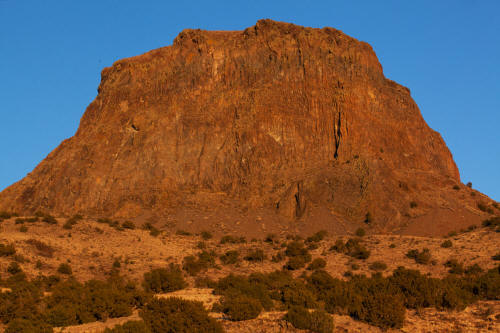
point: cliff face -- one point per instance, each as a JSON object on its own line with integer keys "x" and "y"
{"x": 279, "y": 117}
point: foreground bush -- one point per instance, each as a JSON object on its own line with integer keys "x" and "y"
{"x": 175, "y": 315}
{"x": 241, "y": 307}
{"x": 133, "y": 326}
{"x": 316, "y": 321}
{"x": 28, "y": 326}
{"x": 164, "y": 280}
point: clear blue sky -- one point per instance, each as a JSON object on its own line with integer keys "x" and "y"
{"x": 52, "y": 53}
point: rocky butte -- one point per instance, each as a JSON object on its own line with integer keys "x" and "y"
{"x": 277, "y": 126}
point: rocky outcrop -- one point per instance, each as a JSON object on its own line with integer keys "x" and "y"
{"x": 297, "y": 121}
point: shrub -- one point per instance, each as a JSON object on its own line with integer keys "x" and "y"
{"x": 128, "y": 225}
{"x": 360, "y": 232}
{"x": 473, "y": 270}
{"x": 447, "y": 244}
{"x": 20, "y": 325}
{"x": 496, "y": 257}
{"x": 241, "y": 307}
{"x": 317, "y": 263}
{"x": 421, "y": 257}
{"x": 392, "y": 246}
{"x": 14, "y": 268}
{"x": 230, "y": 257}
{"x": 455, "y": 266}
{"x": 183, "y": 233}
{"x": 271, "y": 238}
{"x": 132, "y": 326}
{"x": 64, "y": 269}
{"x": 178, "y": 315}
{"x": 380, "y": 309}
{"x": 456, "y": 187}
{"x": 317, "y": 237}
{"x": 413, "y": 204}
{"x": 206, "y": 235}
{"x": 255, "y": 255}
{"x": 49, "y": 219}
{"x": 469, "y": 184}
{"x": 7, "y": 250}
{"x": 278, "y": 257}
{"x": 339, "y": 246}
{"x": 5, "y": 215}
{"x": 378, "y": 266}
{"x": 484, "y": 207}
{"x": 356, "y": 250}
{"x": 228, "y": 239}
{"x": 163, "y": 280}
{"x": 492, "y": 222}
{"x": 42, "y": 248}
{"x": 298, "y": 255}
{"x": 368, "y": 218}
{"x": 316, "y": 321}
{"x": 72, "y": 221}
{"x": 193, "y": 265}
{"x": 23, "y": 229}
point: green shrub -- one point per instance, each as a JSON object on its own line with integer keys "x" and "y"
{"x": 241, "y": 307}
{"x": 72, "y": 221}
{"x": 23, "y": 229}
{"x": 368, "y": 218}
{"x": 164, "y": 280}
{"x": 317, "y": 263}
{"x": 178, "y": 315}
{"x": 132, "y": 326}
{"x": 492, "y": 222}
{"x": 496, "y": 257}
{"x": 360, "y": 232}
{"x": 230, "y": 257}
{"x": 446, "y": 244}
{"x": 338, "y": 247}
{"x": 278, "y": 257}
{"x": 255, "y": 255}
{"x": 271, "y": 238}
{"x": 413, "y": 204}
{"x": 64, "y": 269}
{"x": 380, "y": 309}
{"x": 316, "y": 321}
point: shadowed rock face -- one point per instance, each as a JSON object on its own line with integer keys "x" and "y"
{"x": 279, "y": 117}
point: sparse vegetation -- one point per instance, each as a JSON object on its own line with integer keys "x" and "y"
{"x": 255, "y": 255}
{"x": 193, "y": 265}
{"x": 230, "y": 257}
{"x": 378, "y": 266}
{"x": 318, "y": 263}
{"x": 317, "y": 237}
{"x": 206, "y": 235}
{"x": 228, "y": 239}
{"x": 7, "y": 250}
{"x": 64, "y": 269}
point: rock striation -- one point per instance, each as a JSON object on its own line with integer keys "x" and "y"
{"x": 297, "y": 122}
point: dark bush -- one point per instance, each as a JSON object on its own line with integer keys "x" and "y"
{"x": 360, "y": 232}
{"x": 193, "y": 265}
{"x": 317, "y": 263}
{"x": 178, "y": 315}
{"x": 42, "y": 248}
{"x": 378, "y": 266}
{"x": 255, "y": 255}
{"x": 421, "y": 257}
{"x": 368, "y": 218}
{"x": 455, "y": 266}
{"x": 230, "y": 257}
{"x": 317, "y": 237}
{"x": 316, "y": 321}
{"x": 49, "y": 219}
{"x": 164, "y": 280}
{"x": 447, "y": 244}
{"x": 278, "y": 257}
{"x": 206, "y": 235}
{"x": 496, "y": 257}
{"x": 271, "y": 238}
{"x": 7, "y": 250}
{"x": 181, "y": 232}
{"x": 72, "y": 221}
{"x": 128, "y": 225}
{"x": 133, "y": 326}
{"x": 413, "y": 204}
{"x": 20, "y": 325}
{"x": 64, "y": 269}
{"x": 241, "y": 307}
{"x": 492, "y": 222}
{"x": 339, "y": 246}
{"x": 228, "y": 239}
{"x": 14, "y": 268}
